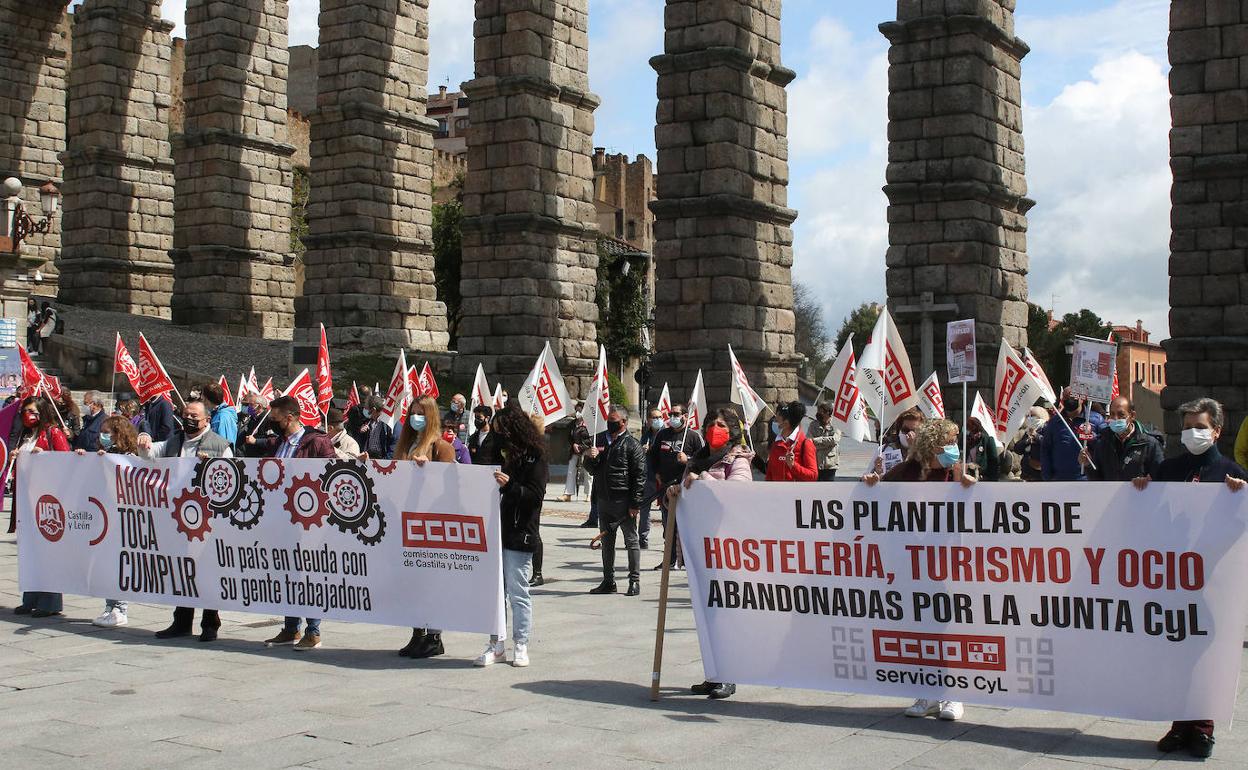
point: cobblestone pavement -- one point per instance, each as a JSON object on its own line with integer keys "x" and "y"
{"x": 72, "y": 694}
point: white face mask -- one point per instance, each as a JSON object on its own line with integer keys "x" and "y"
{"x": 904, "y": 438}
{"x": 1197, "y": 440}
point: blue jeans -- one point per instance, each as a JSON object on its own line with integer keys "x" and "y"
{"x": 314, "y": 625}
{"x": 516, "y": 569}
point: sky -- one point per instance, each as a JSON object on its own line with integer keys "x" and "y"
{"x": 1095, "y": 122}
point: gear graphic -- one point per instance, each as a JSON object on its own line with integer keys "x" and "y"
{"x": 192, "y": 514}
{"x": 373, "y": 539}
{"x": 223, "y": 480}
{"x": 306, "y": 502}
{"x": 352, "y": 500}
{"x": 385, "y": 468}
{"x": 271, "y": 468}
{"x": 250, "y": 507}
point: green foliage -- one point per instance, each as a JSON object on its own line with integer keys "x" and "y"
{"x": 1049, "y": 346}
{"x": 619, "y": 394}
{"x": 448, "y": 236}
{"x": 860, "y": 323}
{"x": 367, "y": 368}
{"x": 299, "y": 212}
{"x": 621, "y": 306}
{"x": 810, "y": 332}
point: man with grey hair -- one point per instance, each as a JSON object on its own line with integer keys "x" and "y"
{"x": 88, "y": 439}
{"x": 619, "y": 469}
{"x": 1200, "y": 461}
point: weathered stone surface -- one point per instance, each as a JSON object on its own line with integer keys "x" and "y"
{"x": 232, "y": 268}
{"x": 956, "y": 175}
{"x": 1208, "y": 245}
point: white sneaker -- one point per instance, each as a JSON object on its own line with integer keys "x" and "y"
{"x": 521, "y": 658}
{"x": 494, "y": 653}
{"x": 111, "y": 619}
{"x": 922, "y": 708}
{"x": 950, "y": 710}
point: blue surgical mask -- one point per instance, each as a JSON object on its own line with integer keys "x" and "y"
{"x": 417, "y": 421}
{"x": 775, "y": 427}
{"x": 949, "y": 456}
{"x": 1119, "y": 426}
{"x": 656, "y": 423}
{"x": 106, "y": 441}
{"x": 367, "y": 413}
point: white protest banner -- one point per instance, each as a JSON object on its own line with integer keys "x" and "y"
{"x": 1037, "y": 371}
{"x": 931, "y": 402}
{"x": 1092, "y": 368}
{"x": 987, "y": 418}
{"x": 696, "y": 411}
{"x": 376, "y": 542}
{"x": 960, "y": 358}
{"x": 849, "y": 408}
{"x": 1084, "y": 597}
{"x": 742, "y": 394}
{"x": 1016, "y": 392}
{"x": 598, "y": 402}
{"x": 885, "y": 353}
{"x": 544, "y": 392}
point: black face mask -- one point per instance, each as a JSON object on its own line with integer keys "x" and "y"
{"x": 479, "y": 422}
{"x": 191, "y": 426}
{"x": 613, "y": 427}
{"x": 1070, "y": 405}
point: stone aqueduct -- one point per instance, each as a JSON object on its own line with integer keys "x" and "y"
{"x": 195, "y": 226}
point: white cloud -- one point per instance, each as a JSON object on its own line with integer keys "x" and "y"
{"x": 624, "y": 35}
{"x": 1098, "y": 167}
{"x": 1122, "y": 27}
{"x": 841, "y": 95}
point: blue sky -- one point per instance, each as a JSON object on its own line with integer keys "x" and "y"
{"x": 1096, "y": 121}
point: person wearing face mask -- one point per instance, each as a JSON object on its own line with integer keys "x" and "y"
{"x": 934, "y": 456}
{"x": 668, "y": 455}
{"x": 158, "y": 414}
{"x": 379, "y": 438}
{"x": 456, "y": 419}
{"x": 654, "y": 426}
{"x": 358, "y": 416}
{"x": 195, "y": 439}
{"x": 40, "y": 432}
{"x": 619, "y": 470}
{"x": 482, "y": 444}
{"x": 981, "y": 452}
{"x": 895, "y": 444}
{"x": 344, "y": 446}
{"x": 1059, "y": 449}
{"x": 420, "y": 441}
{"x": 792, "y": 454}
{"x": 89, "y": 436}
{"x": 118, "y": 437}
{"x": 1200, "y": 461}
{"x": 827, "y": 438}
{"x": 1026, "y": 443}
{"x": 1123, "y": 450}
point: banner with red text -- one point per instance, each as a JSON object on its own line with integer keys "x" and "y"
{"x": 1087, "y": 597}
{"x": 375, "y": 542}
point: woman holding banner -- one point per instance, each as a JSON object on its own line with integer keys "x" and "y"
{"x": 934, "y": 456}
{"x": 40, "y": 433}
{"x": 522, "y": 484}
{"x": 421, "y": 441}
{"x": 117, "y": 437}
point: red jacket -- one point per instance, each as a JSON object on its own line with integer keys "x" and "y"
{"x": 804, "y": 468}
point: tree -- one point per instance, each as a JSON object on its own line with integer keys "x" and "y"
{"x": 448, "y": 232}
{"x": 621, "y": 300}
{"x": 1049, "y": 345}
{"x": 809, "y": 331}
{"x": 860, "y": 323}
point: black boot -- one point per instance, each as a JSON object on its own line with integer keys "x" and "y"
{"x": 1175, "y": 739}
{"x": 208, "y": 633}
{"x": 723, "y": 690}
{"x": 430, "y": 646}
{"x": 1200, "y": 745}
{"x": 537, "y": 580}
{"x": 173, "y": 632}
{"x": 634, "y": 588}
{"x": 418, "y": 638}
{"x": 605, "y": 587}
{"x": 706, "y": 688}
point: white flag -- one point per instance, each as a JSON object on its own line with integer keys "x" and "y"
{"x": 885, "y": 353}
{"x": 1033, "y": 366}
{"x": 695, "y": 413}
{"x": 931, "y": 402}
{"x": 397, "y": 394}
{"x": 849, "y": 408}
{"x": 743, "y": 395}
{"x": 981, "y": 412}
{"x": 480, "y": 395}
{"x": 1016, "y": 391}
{"x": 544, "y": 393}
{"x": 665, "y": 402}
{"x": 500, "y": 399}
{"x": 872, "y": 392}
{"x": 598, "y": 402}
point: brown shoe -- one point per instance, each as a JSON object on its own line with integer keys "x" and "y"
{"x": 308, "y": 642}
{"x": 283, "y": 637}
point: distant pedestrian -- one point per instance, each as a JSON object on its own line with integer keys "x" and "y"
{"x": 619, "y": 480}
{"x": 827, "y": 440}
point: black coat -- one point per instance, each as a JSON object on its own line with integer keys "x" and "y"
{"x": 1211, "y": 467}
{"x": 1117, "y": 460}
{"x": 521, "y": 503}
{"x": 482, "y": 448}
{"x": 619, "y": 470}
{"x": 88, "y": 438}
{"x": 158, "y": 413}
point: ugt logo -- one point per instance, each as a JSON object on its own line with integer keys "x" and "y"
{"x": 50, "y": 518}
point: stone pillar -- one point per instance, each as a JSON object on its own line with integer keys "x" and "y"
{"x": 723, "y": 243}
{"x": 34, "y": 47}
{"x": 1207, "y": 353}
{"x": 232, "y": 191}
{"x": 529, "y": 252}
{"x": 956, "y": 188}
{"x": 368, "y": 270}
{"x": 118, "y": 222}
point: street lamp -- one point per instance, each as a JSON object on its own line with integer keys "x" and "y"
{"x": 19, "y": 224}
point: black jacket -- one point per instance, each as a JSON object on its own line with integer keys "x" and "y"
{"x": 665, "y": 448}
{"x": 521, "y": 503}
{"x": 159, "y": 415}
{"x": 482, "y": 448}
{"x": 1211, "y": 466}
{"x": 619, "y": 470}
{"x": 1116, "y": 460}
{"x": 89, "y": 437}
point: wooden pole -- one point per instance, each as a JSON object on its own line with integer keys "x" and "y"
{"x": 661, "y": 626}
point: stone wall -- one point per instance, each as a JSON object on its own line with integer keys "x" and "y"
{"x": 955, "y": 182}
{"x": 118, "y": 222}
{"x": 232, "y": 272}
{"x": 529, "y": 257}
{"x": 1207, "y": 353}
{"x": 723, "y": 243}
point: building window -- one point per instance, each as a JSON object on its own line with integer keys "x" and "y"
{"x": 1139, "y": 372}
{"x": 461, "y": 124}
{"x": 632, "y": 230}
{"x": 619, "y": 224}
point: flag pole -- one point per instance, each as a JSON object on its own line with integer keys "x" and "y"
{"x": 664, "y": 583}
{"x": 43, "y": 386}
{"x": 964, "y": 421}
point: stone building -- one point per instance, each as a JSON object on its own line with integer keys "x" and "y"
{"x": 450, "y": 110}
{"x": 623, "y": 192}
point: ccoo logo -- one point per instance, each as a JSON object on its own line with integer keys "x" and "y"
{"x": 448, "y": 531}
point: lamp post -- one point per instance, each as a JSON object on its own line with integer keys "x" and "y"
{"x": 19, "y": 224}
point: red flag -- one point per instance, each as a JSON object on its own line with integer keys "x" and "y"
{"x": 324, "y": 379}
{"x": 428, "y": 385}
{"x": 52, "y": 385}
{"x": 302, "y": 391}
{"x": 267, "y": 391}
{"x": 225, "y": 388}
{"x": 414, "y": 385}
{"x": 31, "y": 376}
{"x": 1114, "y": 393}
{"x": 353, "y": 397}
{"x": 123, "y": 363}
{"x": 153, "y": 379}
